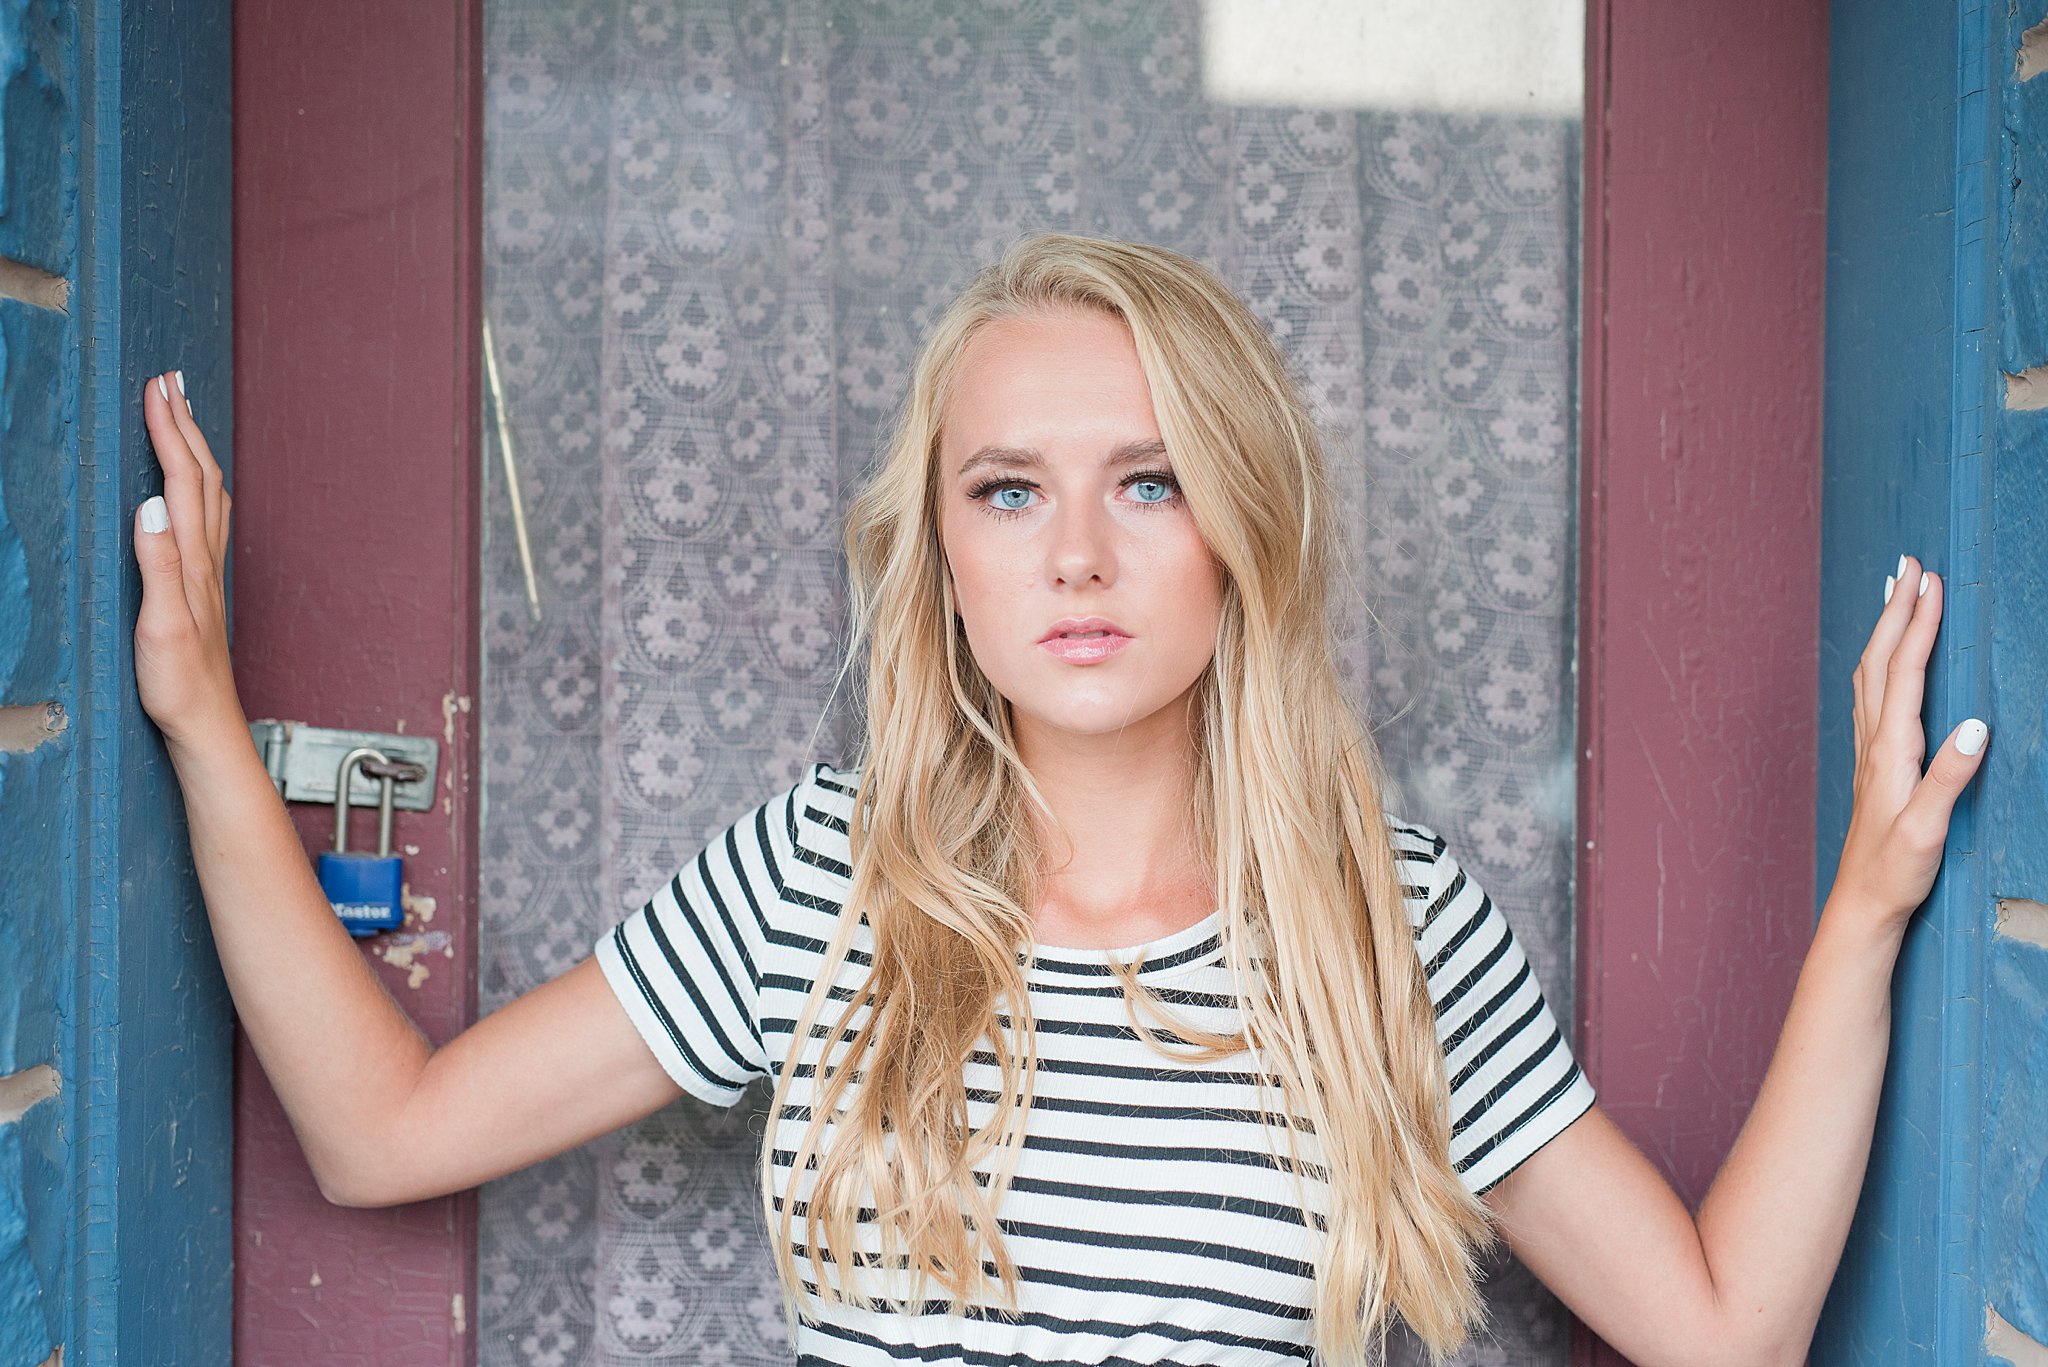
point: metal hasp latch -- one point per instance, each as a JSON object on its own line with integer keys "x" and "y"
{"x": 303, "y": 761}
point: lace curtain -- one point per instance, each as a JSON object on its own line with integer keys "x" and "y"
{"x": 714, "y": 233}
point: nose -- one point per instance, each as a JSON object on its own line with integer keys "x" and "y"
{"x": 1082, "y": 546}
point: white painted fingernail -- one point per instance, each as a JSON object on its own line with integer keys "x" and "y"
{"x": 1970, "y": 736}
{"x": 163, "y": 389}
{"x": 1923, "y": 583}
{"x": 1902, "y": 568}
{"x": 1888, "y": 582}
{"x": 155, "y": 517}
{"x": 181, "y": 382}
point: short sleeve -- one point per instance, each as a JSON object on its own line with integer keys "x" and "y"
{"x": 686, "y": 965}
{"x": 1515, "y": 1085}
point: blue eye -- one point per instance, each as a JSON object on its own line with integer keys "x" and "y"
{"x": 1003, "y": 500}
{"x": 1153, "y": 482}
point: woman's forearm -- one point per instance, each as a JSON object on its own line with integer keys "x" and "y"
{"x": 341, "y": 1054}
{"x": 1775, "y": 1220}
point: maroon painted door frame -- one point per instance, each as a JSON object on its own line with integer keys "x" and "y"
{"x": 358, "y": 249}
{"x": 1699, "y": 631}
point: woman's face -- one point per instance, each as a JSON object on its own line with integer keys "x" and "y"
{"x": 1058, "y": 505}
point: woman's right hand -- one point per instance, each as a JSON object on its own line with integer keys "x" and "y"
{"x": 182, "y": 668}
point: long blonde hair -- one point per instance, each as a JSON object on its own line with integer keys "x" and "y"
{"x": 1287, "y": 811}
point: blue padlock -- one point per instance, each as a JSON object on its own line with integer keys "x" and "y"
{"x": 363, "y": 888}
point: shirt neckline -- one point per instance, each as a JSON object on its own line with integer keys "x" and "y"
{"x": 1189, "y": 947}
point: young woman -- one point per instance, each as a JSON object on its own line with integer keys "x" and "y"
{"x": 1111, "y": 1016}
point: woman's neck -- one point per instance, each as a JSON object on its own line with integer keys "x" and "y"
{"x": 1121, "y": 867}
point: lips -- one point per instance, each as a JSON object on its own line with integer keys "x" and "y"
{"x": 1083, "y": 628}
{"x": 1084, "y": 640}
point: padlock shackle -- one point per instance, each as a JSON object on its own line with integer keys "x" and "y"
{"x": 384, "y": 800}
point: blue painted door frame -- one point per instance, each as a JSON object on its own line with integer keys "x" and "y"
{"x": 114, "y": 1193}
{"x": 1937, "y": 202}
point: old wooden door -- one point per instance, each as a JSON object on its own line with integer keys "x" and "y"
{"x": 1937, "y": 332}
{"x": 115, "y": 1109}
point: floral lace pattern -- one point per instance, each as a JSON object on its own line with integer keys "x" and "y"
{"x": 714, "y": 234}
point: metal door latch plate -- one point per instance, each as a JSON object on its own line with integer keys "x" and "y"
{"x": 303, "y": 760}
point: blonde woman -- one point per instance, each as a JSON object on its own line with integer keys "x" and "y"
{"x": 1111, "y": 1017}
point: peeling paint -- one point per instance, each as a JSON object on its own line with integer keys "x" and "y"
{"x": 2028, "y": 390}
{"x": 29, "y": 285}
{"x": 418, "y": 905}
{"x": 2003, "y": 1341}
{"x": 405, "y": 950}
{"x": 2032, "y": 59}
{"x": 21, "y": 1090}
{"x": 18, "y": 280}
{"x": 2020, "y": 919}
{"x": 314, "y": 1280}
{"x": 26, "y": 726}
{"x": 451, "y": 703}
{"x": 460, "y": 1317}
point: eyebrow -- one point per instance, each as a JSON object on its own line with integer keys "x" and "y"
{"x": 1025, "y": 457}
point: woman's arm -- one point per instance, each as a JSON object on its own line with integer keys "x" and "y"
{"x": 383, "y": 1116}
{"x": 1743, "y": 1282}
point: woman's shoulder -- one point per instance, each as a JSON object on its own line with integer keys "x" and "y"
{"x": 1514, "y": 1082}
{"x": 818, "y": 812}
{"x": 1458, "y": 927}
{"x": 791, "y": 846}
{"x": 1416, "y": 846}
{"x": 828, "y": 780}
{"x": 1447, "y": 906}
{"x": 1422, "y": 860}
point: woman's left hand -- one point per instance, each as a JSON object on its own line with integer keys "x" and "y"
{"x": 1898, "y": 825}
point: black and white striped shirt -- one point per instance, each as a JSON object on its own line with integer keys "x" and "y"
{"x": 1153, "y": 1215}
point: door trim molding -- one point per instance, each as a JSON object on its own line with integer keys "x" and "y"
{"x": 1699, "y": 513}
